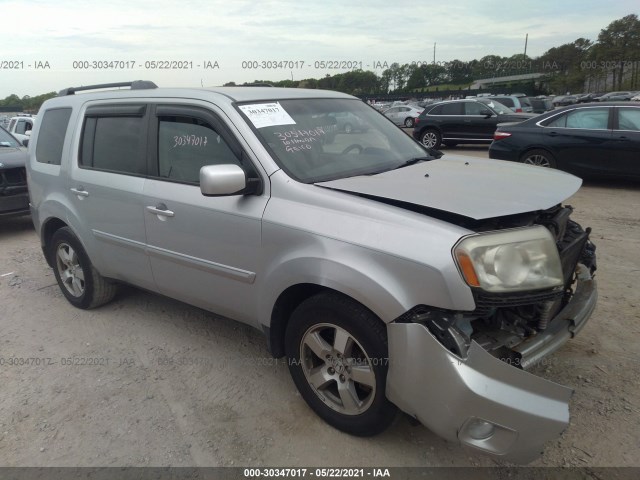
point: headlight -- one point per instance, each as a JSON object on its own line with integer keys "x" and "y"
{"x": 510, "y": 261}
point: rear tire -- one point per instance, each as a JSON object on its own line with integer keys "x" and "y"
{"x": 337, "y": 355}
{"x": 409, "y": 122}
{"x": 431, "y": 138}
{"x": 539, "y": 158}
{"x": 79, "y": 281}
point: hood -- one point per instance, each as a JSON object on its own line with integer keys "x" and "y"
{"x": 11, "y": 157}
{"x": 473, "y": 187}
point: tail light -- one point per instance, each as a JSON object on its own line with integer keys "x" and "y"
{"x": 416, "y": 120}
{"x": 518, "y": 110}
{"x": 501, "y": 135}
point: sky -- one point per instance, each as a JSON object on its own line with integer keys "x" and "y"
{"x": 50, "y": 45}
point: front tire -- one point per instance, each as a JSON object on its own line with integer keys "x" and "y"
{"x": 337, "y": 355}
{"x": 79, "y": 281}
{"x": 539, "y": 158}
{"x": 431, "y": 138}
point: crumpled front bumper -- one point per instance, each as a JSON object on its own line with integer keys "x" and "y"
{"x": 448, "y": 394}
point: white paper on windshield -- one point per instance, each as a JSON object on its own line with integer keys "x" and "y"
{"x": 267, "y": 114}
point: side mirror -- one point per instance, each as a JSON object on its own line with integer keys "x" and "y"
{"x": 486, "y": 113}
{"x": 220, "y": 180}
{"x": 25, "y": 142}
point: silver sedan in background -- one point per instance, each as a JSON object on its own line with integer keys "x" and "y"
{"x": 403, "y": 115}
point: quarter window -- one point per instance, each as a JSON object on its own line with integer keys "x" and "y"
{"x": 186, "y": 144}
{"x": 51, "y": 136}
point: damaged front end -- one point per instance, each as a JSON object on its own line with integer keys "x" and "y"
{"x": 475, "y": 390}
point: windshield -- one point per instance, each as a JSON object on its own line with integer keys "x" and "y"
{"x": 316, "y": 140}
{"x": 496, "y": 106}
{"x": 6, "y": 140}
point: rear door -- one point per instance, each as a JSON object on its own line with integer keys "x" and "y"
{"x": 394, "y": 115}
{"x": 203, "y": 250}
{"x": 451, "y": 121}
{"x": 626, "y": 141}
{"x": 581, "y": 140}
{"x": 105, "y": 188}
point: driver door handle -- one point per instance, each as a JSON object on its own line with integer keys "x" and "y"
{"x": 160, "y": 210}
{"x": 80, "y": 191}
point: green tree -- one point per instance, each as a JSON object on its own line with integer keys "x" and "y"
{"x": 565, "y": 65}
{"x": 619, "y": 49}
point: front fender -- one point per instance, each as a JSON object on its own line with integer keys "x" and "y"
{"x": 387, "y": 285}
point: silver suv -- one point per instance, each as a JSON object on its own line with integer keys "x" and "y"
{"x": 390, "y": 279}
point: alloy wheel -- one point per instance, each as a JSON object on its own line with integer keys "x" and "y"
{"x": 338, "y": 369}
{"x": 70, "y": 270}
{"x": 538, "y": 160}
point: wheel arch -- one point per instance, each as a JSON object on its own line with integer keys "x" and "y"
{"x": 49, "y": 227}
{"x": 278, "y": 305}
{"x": 284, "y": 306}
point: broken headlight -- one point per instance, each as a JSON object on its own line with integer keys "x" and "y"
{"x": 510, "y": 260}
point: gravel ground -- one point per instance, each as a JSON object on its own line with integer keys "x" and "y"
{"x": 224, "y": 402}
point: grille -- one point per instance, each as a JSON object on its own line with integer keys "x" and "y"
{"x": 486, "y": 302}
{"x": 13, "y": 176}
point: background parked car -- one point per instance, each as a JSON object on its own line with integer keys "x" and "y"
{"x": 587, "y": 140}
{"x": 403, "y": 115}
{"x": 463, "y": 121}
{"x": 20, "y": 126}
{"x": 347, "y": 122}
{"x": 541, "y": 105}
{"x": 636, "y": 98}
{"x": 616, "y": 96}
{"x": 587, "y": 97}
{"x": 515, "y": 103}
{"x": 14, "y": 199}
{"x": 564, "y": 100}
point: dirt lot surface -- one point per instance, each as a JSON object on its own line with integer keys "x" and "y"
{"x": 146, "y": 380}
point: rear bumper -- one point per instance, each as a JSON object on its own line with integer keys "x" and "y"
{"x": 447, "y": 393}
{"x": 501, "y": 151}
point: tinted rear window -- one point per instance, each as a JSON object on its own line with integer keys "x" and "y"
{"x": 452, "y": 109}
{"x": 114, "y": 143}
{"x": 51, "y": 136}
{"x": 505, "y": 101}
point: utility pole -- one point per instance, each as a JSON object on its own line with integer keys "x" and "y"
{"x": 434, "y": 53}
{"x": 526, "y": 40}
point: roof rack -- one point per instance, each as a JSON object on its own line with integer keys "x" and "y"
{"x": 135, "y": 85}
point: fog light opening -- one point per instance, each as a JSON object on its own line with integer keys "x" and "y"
{"x": 480, "y": 430}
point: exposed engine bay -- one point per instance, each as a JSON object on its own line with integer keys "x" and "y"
{"x": 503, "y": 321}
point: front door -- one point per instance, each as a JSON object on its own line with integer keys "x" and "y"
{"x": 203, "y": 250}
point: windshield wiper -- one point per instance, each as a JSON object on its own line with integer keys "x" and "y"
{"x": 413, "y": 161}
